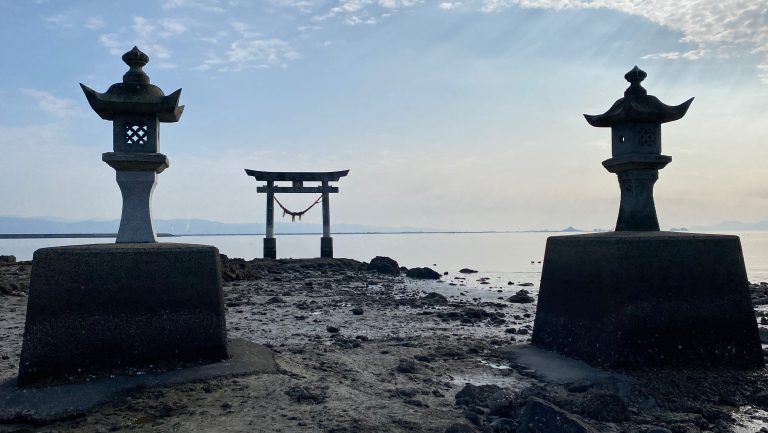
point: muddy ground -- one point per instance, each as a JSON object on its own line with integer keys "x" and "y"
{"x": 361, "y": 351}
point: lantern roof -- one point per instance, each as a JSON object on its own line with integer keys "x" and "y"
{"x": 638, "y": 106}
{"x": 135, "y": 95}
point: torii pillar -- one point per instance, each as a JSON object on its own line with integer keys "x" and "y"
{"x": 297, "y": 179}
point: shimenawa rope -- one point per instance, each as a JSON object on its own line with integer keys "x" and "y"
{"x": 296, "y": 214}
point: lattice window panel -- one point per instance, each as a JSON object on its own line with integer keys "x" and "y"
{"x": 646, "y": 137}
{"x": 136, "y": 134}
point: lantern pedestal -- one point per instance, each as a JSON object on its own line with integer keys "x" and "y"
{"x": 99, "y": 309}
{"x": 647, "y": 299}
{"x": 136, "y": 176}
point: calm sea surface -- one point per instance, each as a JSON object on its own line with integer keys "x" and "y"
{"x": 501, "y": 253}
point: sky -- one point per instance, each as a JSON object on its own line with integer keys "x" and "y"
{"x": 448, "y": 114}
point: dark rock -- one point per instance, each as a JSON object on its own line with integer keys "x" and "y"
{"x": 275, "y": 300}
{"x": 406, "y": 392}
{"x": 460, "y": 428}
{"x": 423, "y": 358}
{"x": 539, "y": 416}
{"x": 504, "y": 425}
{"x": 422, "y": 274}
{"x": 434, "y": 298}
{"x": 384, "y": 265}
{"x": 579, "y": 386}
{"x": 468, "y": 271}
{"x": 504, "y": 403}
{"x": 658, "y": 430}
{"x": 763, "y": 332}
{"x": 604, "y": 406}
{"x": 761, "y": 399}
{"x": 406, "y": 366}
{"x": 521, "y": 297}
{"x": 332, "y": 329}
{"x": 472, "y": 316}
{"x": 472, "y": 395}
{"x": 415, "y": 402}
{"x": 7, "y": 259}
{"x": 525, "y": 284}
{"x": 304, "y": 395}
{"x": 357, "y": 311}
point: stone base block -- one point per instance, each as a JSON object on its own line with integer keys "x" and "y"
{"x": 94, "y": 309}
{"x": 270, "y": 248}
{"x": 326, "y": 247}
{"x": 647, "y": 299}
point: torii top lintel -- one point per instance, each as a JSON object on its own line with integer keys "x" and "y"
{"x": 297, "y": 176}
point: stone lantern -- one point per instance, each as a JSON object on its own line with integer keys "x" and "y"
{"x": 635, "y": 121}
{"x": 136, "y": 109}
{"x": 95, "y": 310}
{"x": 639, "y": 297}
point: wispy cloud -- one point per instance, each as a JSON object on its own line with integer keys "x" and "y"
{"x": 252, "y": 50}
{"x": 95, "y": 23}
{"x": 63, "y": 21}
{"x": 145, "y": 35}
{"x": 53, "y": 105}
{"x": 250, "y": 53}
{"x": 214, "y": 6}
{"x": 678, "y": 55}
{"x": 450, "y": 5}
{"x": 301, "y": 5}
{"x": 713, "y": 25}
{"x": 355, "y": 12}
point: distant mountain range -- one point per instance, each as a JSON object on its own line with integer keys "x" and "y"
{"x": 15, "y": 225}
{"x": 187, "y": 227}
{"x": 181, "y": 227}
{"x": 734, "y": 226}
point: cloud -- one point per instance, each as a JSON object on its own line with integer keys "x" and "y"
{"x": 301, "y": 5}
{"x": 449, "y": 5}
{"x": 63, "y": 21}
{"x": 145, "y": 36}
{"x": 95, "y": 23}
{"x": 259, "y": 53}
{"x": 203, "y": 5}
{"x": 396, "y": 4}
{"x": 677, "y": 55}
{"x": 53, "y": 105}
{"x": 355, "y": 12}
{"x": 251, "y": 51}
{"x": 720, "y": 25}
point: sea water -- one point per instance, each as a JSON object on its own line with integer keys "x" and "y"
{"x": 520, "y": 253}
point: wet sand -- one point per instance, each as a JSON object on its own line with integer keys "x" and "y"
{"x": 360, "y": 351}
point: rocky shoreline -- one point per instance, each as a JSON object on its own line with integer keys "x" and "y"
{"x": 363, "y": 347}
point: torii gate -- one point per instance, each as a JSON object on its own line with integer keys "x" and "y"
{"x": 297, "y": 178}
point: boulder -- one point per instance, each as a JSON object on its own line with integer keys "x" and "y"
{"x": 423, "y": 274}
{"x": 7, "y": 260}
{"x": 468, "y": 271}
{"x": 539, "y": 416}
{"x": 460, "y": 428}
{"x": 384, "y": 265}
{"x": 434, "y": 298}
{"x": 604, "y": 406}
{"x": 473, "y": 395}
{"x": 521, "y": 297}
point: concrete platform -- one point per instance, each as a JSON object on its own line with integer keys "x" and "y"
{"x": 100, "y": 309}
{"x": 49, "y": 404}
{"x": 647, "y": 299}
